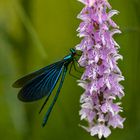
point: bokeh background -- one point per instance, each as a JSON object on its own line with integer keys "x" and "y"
{"x": 34, "y": 33}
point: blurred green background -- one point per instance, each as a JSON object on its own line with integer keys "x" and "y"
{"x": 34, "y": 33}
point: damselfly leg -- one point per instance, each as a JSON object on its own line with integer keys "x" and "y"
{"x": 72, "y": 63}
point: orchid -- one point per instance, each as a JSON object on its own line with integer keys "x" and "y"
{"x": 101, "y": 78}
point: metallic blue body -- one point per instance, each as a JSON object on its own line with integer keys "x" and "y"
{"x": 67, "y": 57}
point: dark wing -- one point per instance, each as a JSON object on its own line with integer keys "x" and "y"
{"x": 41, "y": 85}
{"x": 24, "y": 80}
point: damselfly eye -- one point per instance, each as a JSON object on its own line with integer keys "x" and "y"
{"x": 73, "y": 50}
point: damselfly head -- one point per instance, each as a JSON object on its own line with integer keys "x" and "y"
{"x": 73, "y": 51}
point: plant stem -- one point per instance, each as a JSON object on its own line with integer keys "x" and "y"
{"x": 28, "y": 25}
{"x": 101, "y": 138}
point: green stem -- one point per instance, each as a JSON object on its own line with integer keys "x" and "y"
{"x": 101, "y": 138}
{"x": 28, "y": 25}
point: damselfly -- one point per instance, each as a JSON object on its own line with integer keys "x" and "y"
{"x": 41, "y": 83}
